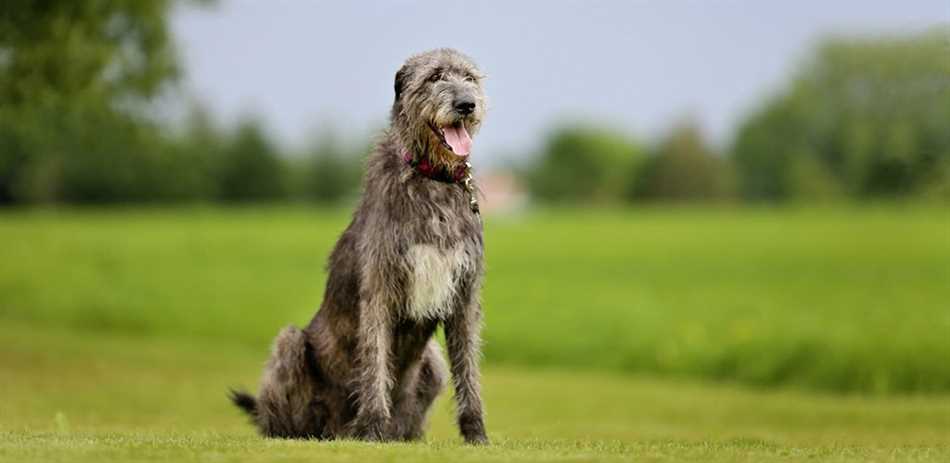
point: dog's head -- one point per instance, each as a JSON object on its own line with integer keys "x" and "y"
{"x": 439, "y": 105}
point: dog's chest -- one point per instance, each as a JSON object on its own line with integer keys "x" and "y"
{"x": 435, "y": 278}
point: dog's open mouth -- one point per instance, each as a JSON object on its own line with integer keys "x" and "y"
{"x": 455, "y": 138}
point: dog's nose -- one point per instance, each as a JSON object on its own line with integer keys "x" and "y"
{"x": 465, "y": 107}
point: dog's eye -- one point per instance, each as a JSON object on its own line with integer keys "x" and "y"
{"x": 469, "y": 78}
{"x": 435, "y": 77}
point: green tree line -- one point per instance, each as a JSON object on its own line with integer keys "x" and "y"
{"x": 861, "y": 118}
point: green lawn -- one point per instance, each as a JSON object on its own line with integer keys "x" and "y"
{"x": 80, "y": 397}
{"x": 831, "y": 299}
{"x": 654, "y": 335}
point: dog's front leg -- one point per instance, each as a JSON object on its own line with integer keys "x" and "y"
{"x": 462, "y": 331}
{"x": 374, "y": 378}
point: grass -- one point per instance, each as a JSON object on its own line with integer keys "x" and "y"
{"x": 122, "y": 330}
{"x": 75, "y": 397}
{"x": 842, "y": 299}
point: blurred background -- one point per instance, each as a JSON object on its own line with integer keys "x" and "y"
{"x": 753, "y": 193}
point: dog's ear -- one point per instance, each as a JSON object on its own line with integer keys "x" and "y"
{"x": 401, "y": 77}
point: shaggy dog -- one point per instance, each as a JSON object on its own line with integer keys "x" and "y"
{"x": 367, "y": 365}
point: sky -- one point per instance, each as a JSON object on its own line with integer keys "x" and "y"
{"x": 635, "y": 66}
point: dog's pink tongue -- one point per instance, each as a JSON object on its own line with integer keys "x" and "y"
{"x": 458, "y": 139}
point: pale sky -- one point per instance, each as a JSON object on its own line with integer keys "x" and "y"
{"x": 637, "y": 66}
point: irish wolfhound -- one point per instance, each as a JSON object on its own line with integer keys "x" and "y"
{"x": 411, "y": 259}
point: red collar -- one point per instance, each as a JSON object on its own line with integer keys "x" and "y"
{"x": 439, "y": 173}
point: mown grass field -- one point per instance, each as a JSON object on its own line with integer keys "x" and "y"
{"x": 833, "y": 299}
{"x": 80, "y": 397}
{"x": 825, "y": 332}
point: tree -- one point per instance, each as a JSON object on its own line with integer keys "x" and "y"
{"x": 864, "y": 117}
{"x": 74, "y": 77}
{"x": 682, "y": 168}
{"x": 250, "y": 168}
{"x": 197, "y": 153}
{"x": 84, "y": 52}
{"x": 583, "y": 164}
{"x": 332, "y": 172}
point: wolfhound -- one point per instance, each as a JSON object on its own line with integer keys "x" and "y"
{"x": 367, "y": 365}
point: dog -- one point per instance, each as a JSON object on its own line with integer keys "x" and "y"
{"x": 412, "y": 259}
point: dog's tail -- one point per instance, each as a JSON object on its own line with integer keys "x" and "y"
{"x": 244, "y": 401}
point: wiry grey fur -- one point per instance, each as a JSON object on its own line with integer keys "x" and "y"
{"x": 411, "y": 259}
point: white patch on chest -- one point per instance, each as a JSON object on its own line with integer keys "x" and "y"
{"x": 433, "y": 279}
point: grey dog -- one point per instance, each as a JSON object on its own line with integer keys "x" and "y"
{"x": 367, "y": 365}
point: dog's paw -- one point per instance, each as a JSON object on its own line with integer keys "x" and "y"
{"x": 371, "y": 429}
{"x": 473, "y": 430}
{"x": 476, "y": 439}
{"x": 373, "y": 433}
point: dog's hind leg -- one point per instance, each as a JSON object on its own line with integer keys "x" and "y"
{"x": 286, "y": 405}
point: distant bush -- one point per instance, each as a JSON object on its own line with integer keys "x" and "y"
{"x": 582, "y": 163}
{"x": 86, "y": 154}
{"x": 98, "y": 155}
{"x": 330, "y": 171}
{"x": 682, "y": 167}
{"x": 250, "y": 167}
